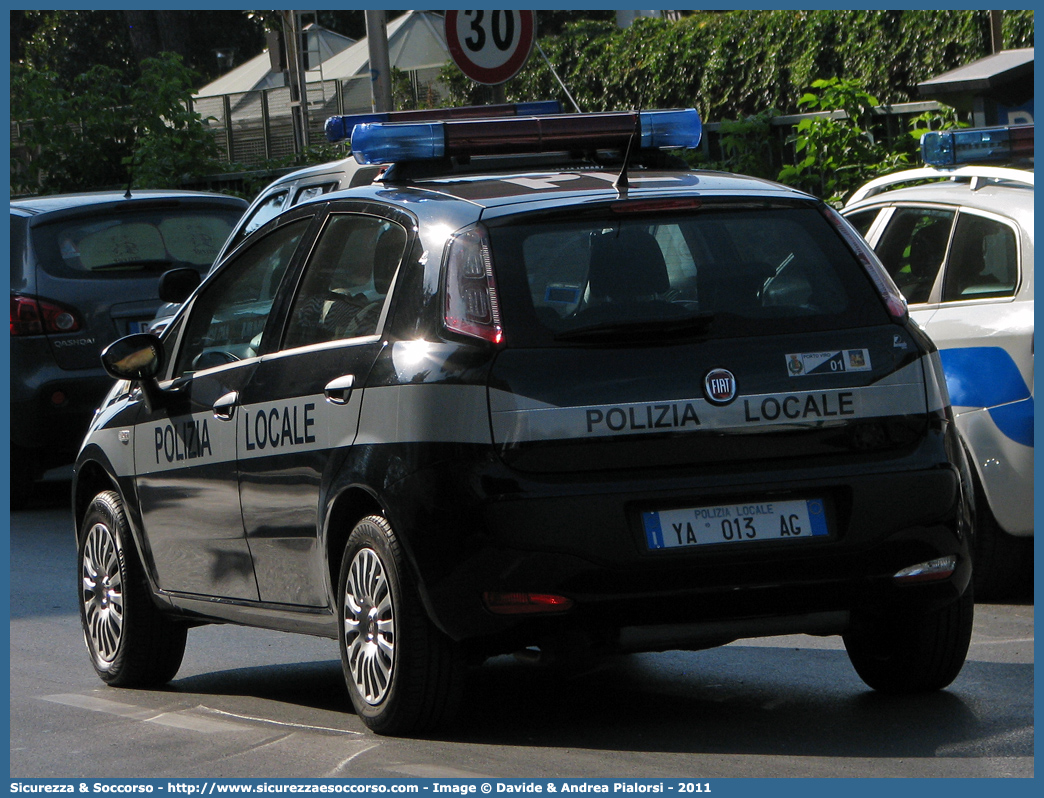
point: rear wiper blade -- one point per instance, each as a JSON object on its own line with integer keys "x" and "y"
{"x": 641, "y": 328}
{"x": 136, "y": 265}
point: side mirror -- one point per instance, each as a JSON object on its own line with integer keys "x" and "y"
{"x": 137, "y": 357}
{"x": 177, "y": 285}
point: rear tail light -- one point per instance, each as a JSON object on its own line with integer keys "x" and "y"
{"x": 894, "y": 301}
{"x": 510, "y": 603}
{"x": 471, "y": 290}
{"x": 33, "y": 316}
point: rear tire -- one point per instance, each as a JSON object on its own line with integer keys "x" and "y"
{"x": 1002, "y": 564}
{"x": 130, "y": 642}
{"x": 916, "y": 654}
{"x": 404, "y": 675}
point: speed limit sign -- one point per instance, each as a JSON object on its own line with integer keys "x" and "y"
{"x": 490, "y": 46}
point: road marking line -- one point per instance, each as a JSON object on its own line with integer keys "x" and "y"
{"x": 100, "y": 705}
{"x": 436, "y": 772}
{"x": 336, "y": 772}
{"x": 272, "y": 722}
{"x": 184, "y": 720}
{"x": 178, "y": 720}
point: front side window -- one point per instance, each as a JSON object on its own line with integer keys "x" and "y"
{"x": 228, "y": 316}
{"x": 346, "y": 280}
{"x": 863, "y": 220}
{"x": 913, "y": 247}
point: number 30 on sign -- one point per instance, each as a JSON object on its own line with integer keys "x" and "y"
{"x": 490, "y": 46}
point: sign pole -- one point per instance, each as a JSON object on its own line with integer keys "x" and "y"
{"x": 380, "y": 65}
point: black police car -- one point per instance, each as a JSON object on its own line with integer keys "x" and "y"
{"x": 85, "y": 270}
{"x": 541, "y": 387}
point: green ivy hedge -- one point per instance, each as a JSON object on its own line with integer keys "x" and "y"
{"x": 733, "y": 64}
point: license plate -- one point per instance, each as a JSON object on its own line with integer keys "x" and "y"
{"x": 138, "y": 326}
{"x": 793, "y": 519}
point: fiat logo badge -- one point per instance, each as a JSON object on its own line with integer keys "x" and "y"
{"x": 719, "y": 386}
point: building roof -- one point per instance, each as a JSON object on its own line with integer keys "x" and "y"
{"x": 416, "y": 40}
{"x": 256, "y": 74}
{"x": 985, "y": 74}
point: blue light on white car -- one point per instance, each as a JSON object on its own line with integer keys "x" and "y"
{"x": 956, "y": 147}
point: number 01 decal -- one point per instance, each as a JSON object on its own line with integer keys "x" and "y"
{"x": 490, "y": 46}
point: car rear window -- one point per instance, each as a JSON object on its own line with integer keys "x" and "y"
{"x": 111, "y": 245}
{"x": 717, "y": 272}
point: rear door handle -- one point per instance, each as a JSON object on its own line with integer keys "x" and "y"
{"x": 225, "y": 407}
{"x": 339, "y": 391}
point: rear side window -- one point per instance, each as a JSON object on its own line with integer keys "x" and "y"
{"x": 310, "y": 192}
{"x": 18, "y": 227}
{"x": 267, "y": 210}
{"x": 716, "y": 272}
{"x": 983, "y": 260}
{"x": 111, "y": 245}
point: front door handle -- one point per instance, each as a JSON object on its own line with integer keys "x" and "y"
{"x": 339, "y": 391}
{"x": 225, "y": 407}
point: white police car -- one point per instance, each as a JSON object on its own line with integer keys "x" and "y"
{"x": 959, "y": 244}
{"x": 539, "y": 387}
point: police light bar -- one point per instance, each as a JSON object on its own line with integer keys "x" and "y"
{"x": 339, "y": 128}
{"x": 375, "y": 143}
{"x": 982, "y": 145}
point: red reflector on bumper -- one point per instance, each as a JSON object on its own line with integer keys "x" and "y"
{"x": 931, "y": 571}
{"x": 503, "y": 603}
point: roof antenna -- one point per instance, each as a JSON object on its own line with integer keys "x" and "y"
{"x": 130, "y": 166}
{"x": 622, "y": 183}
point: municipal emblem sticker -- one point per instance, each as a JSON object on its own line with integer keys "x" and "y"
{"x": 719, "y": 386}
{"x": 835, "y": 362}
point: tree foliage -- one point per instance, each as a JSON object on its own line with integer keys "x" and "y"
{"x": 103, "y": 131}
{"x": 735, "y": 64}
{"x": 65, "y": 43}
{"x": 741, "y": 68}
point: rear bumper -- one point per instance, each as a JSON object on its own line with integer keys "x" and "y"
{"x": 1004, "y": 467}
{"x": 52, "y": 408}
{"x": 584, "y": 541}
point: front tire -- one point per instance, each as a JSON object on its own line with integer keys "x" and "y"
{"x": 404, "y": 675}
{"x": 915, "y": 654}
{"x": 24, "y": 473}
{"x": 130, "y": 642}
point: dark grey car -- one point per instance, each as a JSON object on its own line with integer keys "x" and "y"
{"x": 85, "y": 270}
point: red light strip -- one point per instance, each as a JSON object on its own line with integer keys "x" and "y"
{"x": 539, "y": 134}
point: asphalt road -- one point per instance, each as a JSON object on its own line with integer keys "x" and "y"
{"x": 250, "y": 703}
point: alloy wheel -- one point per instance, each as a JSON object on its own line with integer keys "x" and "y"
{"x": 102, "y": 592}
{"x": 369, "y": 626}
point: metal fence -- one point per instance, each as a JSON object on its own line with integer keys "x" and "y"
{"x": 257, "y": 126}
{"x": 253, "y": 128}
